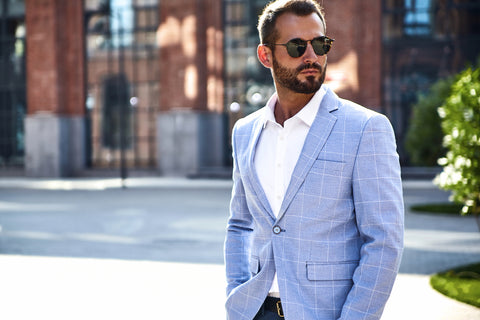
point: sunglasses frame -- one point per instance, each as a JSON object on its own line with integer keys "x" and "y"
{"x": 297, "y": 47}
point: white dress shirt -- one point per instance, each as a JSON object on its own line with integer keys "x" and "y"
{"x": 278, "y": 150}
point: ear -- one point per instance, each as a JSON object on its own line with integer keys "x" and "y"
{"x": 264, "y": 54}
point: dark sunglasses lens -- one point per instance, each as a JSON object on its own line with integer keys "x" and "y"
{"x": 321, "y": 46}
{"x": 296, "y": 48}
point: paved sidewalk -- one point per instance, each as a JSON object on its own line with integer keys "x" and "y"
{"x": 37, "y": 287}
{"x": 414, "y": 299}
{"x": 72, "y": 288}
{"x": 433, "y": 243}
{"x": 101, "y": 289}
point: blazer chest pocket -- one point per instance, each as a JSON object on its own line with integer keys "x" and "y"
{"x": 327, "y": 179}
{"x": 321, "y": 271}
{"x": 327, "y": 167}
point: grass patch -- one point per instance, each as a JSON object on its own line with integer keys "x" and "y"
{"x": 462, "y": 284}
{"x": 444, "y": 208}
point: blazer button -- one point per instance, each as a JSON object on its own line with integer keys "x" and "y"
{"x": 277, "y": 230}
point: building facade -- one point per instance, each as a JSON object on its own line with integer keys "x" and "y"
{"x": 158, "y": 84}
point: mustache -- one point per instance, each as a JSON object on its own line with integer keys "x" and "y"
{"x": 309, "y": 66}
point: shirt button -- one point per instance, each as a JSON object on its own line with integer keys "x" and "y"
{"x": 277, "y": 230}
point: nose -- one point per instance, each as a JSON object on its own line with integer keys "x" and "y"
{"x": 309, "y": 55}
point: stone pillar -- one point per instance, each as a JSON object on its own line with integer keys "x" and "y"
{"x": 55, "y": 122}
{"x": 190, "y": 129}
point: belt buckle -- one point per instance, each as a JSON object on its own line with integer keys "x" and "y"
{"x": 279, "y": 309}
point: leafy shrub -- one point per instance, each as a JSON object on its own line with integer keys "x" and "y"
{"x": 423, "y": 140}
{"x": 462, "y": 284}
{"x": 460, "y": 115}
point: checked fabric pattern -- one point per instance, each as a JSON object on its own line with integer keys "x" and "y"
{"x": 341, "y": 220}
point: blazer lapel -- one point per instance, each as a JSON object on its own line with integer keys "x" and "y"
{"x": 252, "y": 174}
{"x": 314, "y": 142}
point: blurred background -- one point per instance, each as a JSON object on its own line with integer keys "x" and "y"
{"x": 92, "y": 86}
{"x": 150, "y": 90}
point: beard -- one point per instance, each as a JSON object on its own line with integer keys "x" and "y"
{"x": 288, "y": 78}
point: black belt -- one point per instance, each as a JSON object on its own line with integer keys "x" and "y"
{"x": 273, "y": 305}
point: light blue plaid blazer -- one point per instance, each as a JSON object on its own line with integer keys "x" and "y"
{"x": 341, "y": 242}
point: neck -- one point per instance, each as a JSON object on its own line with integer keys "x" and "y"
{"x": 289, "y": 104}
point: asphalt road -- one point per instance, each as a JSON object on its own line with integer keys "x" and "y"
{"x": 171, "y": 223}
{"x": 180, "y": 220}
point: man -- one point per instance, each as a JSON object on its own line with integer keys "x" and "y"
{"x": 316, "y": 216}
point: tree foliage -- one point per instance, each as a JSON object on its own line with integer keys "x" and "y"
{"x": 423, "y": 141}
{"x": 460, "y": 119}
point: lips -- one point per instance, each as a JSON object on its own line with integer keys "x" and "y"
{"x": 310, "y": 69}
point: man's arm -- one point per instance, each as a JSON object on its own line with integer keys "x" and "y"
{"x": 378, "y": 200}
{"x": 239, "y": 228}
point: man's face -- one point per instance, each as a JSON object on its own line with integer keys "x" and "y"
{"x": 296, "y": 80}
{"x": 306, "y": 73}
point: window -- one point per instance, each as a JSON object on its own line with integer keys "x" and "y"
{"x": 123, "y": 81}
{"x": 410, "y": 18}
{"x": 121, "y": 22}
{"x": 417, "y": 20}
{"x": 248, "y": 84}
{"x": 12, "y": 82}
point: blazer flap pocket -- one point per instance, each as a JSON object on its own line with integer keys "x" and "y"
{"x": 327, "y": 166}
{"x": 331, "y": 271}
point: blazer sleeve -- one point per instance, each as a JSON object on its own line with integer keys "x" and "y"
{"x": 239, "y": 229}
{"x": 378, "y": 201}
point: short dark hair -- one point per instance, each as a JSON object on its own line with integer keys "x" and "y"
{"x": 267, "y": 20}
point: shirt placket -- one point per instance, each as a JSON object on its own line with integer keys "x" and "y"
{"x": 280, "y": 168}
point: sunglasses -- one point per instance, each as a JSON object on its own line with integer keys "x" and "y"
{"x": 297, "y": 47}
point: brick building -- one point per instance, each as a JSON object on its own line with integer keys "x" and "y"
{"x": 158, "y": 84}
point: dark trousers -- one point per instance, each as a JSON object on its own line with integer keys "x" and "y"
{"x": 270, "y": 310}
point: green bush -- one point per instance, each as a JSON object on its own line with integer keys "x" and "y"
{"x": 462, "y": 284}
{"x": 423, "y": 140}
{"x": 460, "y": 115}
{"x": 441, "y": 208}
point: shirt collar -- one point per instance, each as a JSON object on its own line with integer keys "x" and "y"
{"x": 306, "y": 114}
